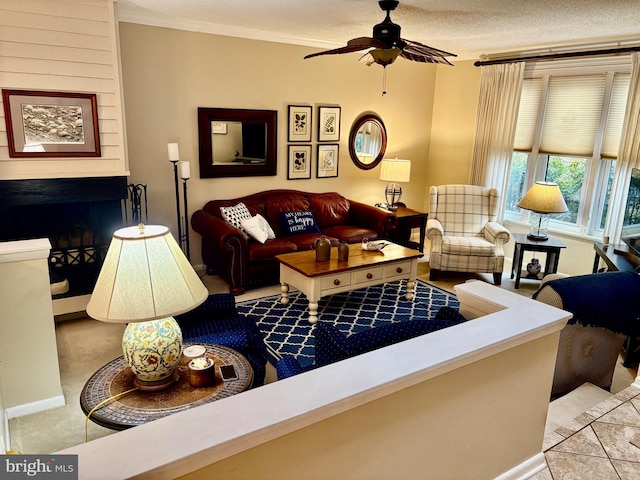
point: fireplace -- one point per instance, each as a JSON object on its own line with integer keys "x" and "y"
{"x": 77, "y": 215}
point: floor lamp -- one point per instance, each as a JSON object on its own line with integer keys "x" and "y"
{"x": 185, "y": 173}
{"x": 174, "y": 157}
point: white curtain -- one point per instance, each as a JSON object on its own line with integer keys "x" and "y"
{"x": 628, "y": 155}
{"x": 500, "y": 88}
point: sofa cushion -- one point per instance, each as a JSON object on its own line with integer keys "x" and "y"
{"x": 235, "y": 214}
{"x": 330, "y": 209}
{"x": 260, "y": 252}
{"x": 258, "y": 228}
{"x": 307, "y": 241}
{"x": 350, "y": 234}
{"x": 299, "y": 222}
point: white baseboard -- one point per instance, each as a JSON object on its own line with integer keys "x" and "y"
{"x": 526, "y": 469}
{"x": 66, "y": 305}
{"x": 5, "y": 439}
{"x": 35, "y": 407}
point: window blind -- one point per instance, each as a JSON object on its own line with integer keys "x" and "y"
{"x": 615, "y": 119}
{"x": 528, "y": 114}
{"x": 571, "y": 114}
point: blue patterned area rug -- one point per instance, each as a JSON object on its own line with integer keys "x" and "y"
{"x": 288, "y": 332}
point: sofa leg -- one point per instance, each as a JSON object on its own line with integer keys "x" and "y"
{"x": 497, "y": 278}
{"x": 433, "y": 274}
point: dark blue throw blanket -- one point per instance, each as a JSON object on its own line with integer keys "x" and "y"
{"x": 610, "y": 300}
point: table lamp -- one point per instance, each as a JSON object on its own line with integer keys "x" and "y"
{"x": 144, "y": 280}
{"x": 394, "y": 170}
{"x": 543, "y": 198}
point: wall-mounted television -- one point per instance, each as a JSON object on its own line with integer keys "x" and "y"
{"x": 631, "y": 224}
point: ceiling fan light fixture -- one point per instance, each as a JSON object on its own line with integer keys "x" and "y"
{"x": 381, "y": 56}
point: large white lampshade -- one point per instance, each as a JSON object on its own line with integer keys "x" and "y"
{"x": 543, "y": 198}
{"x": 394, "y": 170}
{"x": 144, "y": 280}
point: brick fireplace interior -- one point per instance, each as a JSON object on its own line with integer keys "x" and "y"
{"x": 77, "y": 215}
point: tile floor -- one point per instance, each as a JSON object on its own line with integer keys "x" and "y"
{"x": 602, "y": 443}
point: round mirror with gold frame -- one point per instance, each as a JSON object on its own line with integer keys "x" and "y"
{"x": 367, "y": 141}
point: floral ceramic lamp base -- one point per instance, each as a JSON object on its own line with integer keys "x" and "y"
{"x": 152, "y": 349}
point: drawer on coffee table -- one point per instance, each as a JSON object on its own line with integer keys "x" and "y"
{"x": 336, "y": 280}
{"x": 397, "y": 269}
{"x": 364, "y": 276}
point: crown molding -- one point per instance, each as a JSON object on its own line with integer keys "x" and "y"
{"x": 131, "y": 16}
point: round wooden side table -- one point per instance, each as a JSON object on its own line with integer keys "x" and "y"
{"x": 136, "y": 407}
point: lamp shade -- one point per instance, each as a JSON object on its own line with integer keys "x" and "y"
{"x": 145, "y": 276}
{"x": 395, "y": 170}
{"x": 544, "y": 197}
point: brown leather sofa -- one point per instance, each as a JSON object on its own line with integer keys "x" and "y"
{"x": 244, "y": 262}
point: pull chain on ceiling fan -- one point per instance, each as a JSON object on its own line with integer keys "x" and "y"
{"x": 386, "y": 45}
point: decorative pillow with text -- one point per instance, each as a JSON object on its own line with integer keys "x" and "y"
{"x": 299, "y": 222}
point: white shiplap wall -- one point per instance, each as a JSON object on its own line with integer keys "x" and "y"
{"x": 70, "y": 46}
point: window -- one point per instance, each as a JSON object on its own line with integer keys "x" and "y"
{"x": 568, "y": 131}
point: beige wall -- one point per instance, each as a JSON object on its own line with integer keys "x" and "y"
{"x": 454, "y": 122}
{"x": 29, "y": 354}
{"x": 169, "y": 73}
{"x": 63, "y": 46}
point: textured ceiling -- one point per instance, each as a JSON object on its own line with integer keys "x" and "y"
{"x": 468, "y": 28}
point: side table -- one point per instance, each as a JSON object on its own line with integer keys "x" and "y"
{"x": 616, "y": 257}
{"x": 523, "y": 244}
{"x": 136, "y": 407}
{"x": 408, "y": 219}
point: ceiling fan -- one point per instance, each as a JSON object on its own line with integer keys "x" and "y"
{"x": 386, "y": 44}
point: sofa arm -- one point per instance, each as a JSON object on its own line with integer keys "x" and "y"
{"x": 225, "y": 249}
{"x": 496, "y": 233}
{"x": 375, "y": 218}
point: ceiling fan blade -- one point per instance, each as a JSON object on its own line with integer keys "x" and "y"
{"x": 353, "y": 45}
{"x": 416, "y": 48}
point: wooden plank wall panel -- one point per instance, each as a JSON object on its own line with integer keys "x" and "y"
{"x": 63, "y": 45}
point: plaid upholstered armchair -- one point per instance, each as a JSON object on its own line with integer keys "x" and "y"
{"x": 463, "y": 232}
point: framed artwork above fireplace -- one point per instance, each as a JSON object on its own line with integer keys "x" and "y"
{"x": 51, "y": 124}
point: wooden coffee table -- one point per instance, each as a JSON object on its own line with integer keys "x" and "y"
{"x": 136, "y": 407}
{"x": 363, "y": 269}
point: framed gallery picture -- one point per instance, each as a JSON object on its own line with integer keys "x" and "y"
{"x": 300, "y": 123}
{"x": 299, "y": 162}
{"x": 51, "y": 124}
{"x": 327, "y": 161}
{"x": 328, "y": 124}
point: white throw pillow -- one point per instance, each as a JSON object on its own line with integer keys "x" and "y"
{"x": 258, "y": 228}
{"x": 234, "y": 215}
